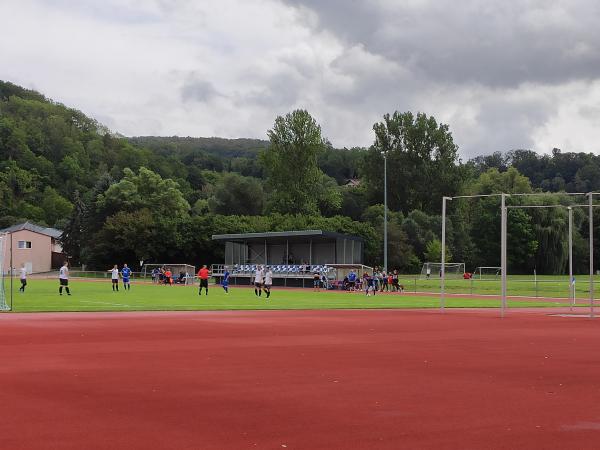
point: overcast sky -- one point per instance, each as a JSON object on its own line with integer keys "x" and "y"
{"x": 503, "y": 74}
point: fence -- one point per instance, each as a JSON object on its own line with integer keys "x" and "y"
{"x": 101, "y": 275}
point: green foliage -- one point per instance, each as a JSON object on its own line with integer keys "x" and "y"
{"x": 495, "y": 182}
{"x": 354, "y": 202}
{"x": 237, "y": 195}
{"x": 422, "y": 162}
{"x": 341, "y": 164}
{"x": 290, "y": 162}
{"x": 145, "y": 190}
{"x": 56, "y": 208}
{"x": 433, "y": 251}
{"x": 483, "y": 219}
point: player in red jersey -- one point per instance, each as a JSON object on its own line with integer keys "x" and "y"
{"x": 203, "y": 275}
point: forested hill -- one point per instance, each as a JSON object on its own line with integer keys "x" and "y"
{"x": 160, "y": 198}
{"x": 227, "y": 148}
{"x": 214, "y": 153}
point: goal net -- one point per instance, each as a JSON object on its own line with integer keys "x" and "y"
{"x": 4, "y": 271}
{"x": 434, "y": 270}
{"x": 487, "y": 273}
{"x": 181, "y": 273}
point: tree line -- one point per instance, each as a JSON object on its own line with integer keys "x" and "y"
{"x": 161, "y": 198}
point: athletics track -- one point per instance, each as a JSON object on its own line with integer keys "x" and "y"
{"x": 380, "y": 379}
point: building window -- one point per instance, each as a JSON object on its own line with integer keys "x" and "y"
{"x": 24, "y": 244}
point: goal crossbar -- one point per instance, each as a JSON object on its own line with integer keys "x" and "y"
{"x": 434, "y": 269}
{"x": 489, "y": 272}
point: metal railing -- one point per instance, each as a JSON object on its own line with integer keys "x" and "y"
{"x": 279, "y": 271}
{"x": 135, "y": 276}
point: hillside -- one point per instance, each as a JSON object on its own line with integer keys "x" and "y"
{"x": 51, "y": 154}
{"x": 220, "y": 147}
{"x": 61, "y": 168}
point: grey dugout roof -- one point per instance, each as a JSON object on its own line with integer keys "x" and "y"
{"x": 274, "y": 236}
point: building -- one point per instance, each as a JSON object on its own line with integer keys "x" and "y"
{"x": 35, "y": 246}
{"x": 352, "y": 183}
{"x": 293, "y": 256}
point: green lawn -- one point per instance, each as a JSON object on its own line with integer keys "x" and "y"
{"x": 42, "y": 295}
{"x": 517, "y": 285}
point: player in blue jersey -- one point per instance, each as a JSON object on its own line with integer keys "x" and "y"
{"x": 351, "y": 280}
{"x": 126, "y": 273}
{"x": 225, "y": 281}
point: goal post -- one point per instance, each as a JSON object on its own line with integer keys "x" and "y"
{"x": 4, "y": 273}
{"x": 182, "y": 273}
{"x": 434, "y": 270}
{"x": 487, "y": 272}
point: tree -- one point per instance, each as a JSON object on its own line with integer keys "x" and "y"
{"x": 483, "y": 219}
{"x": 147, "y": 189}
{"x": 56, "y": 207}
{"x": 237, "y": 195}
{"x": 401, "y": 254}
{"x": 290, "y": 163}
{"x": 73, "y": 236}
{"x": 433, "y": 251}
{"x": 422, "y": 162}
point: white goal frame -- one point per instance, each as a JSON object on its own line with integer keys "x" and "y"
{"x": 188, "y": 269}
{"x": 479, "y": 275}
{"x": 4, "y": 272}
{"x": 435, "y": 270}
{"x": 504, "y": 238}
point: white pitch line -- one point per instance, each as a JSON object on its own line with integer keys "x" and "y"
{"x": 106, "y": 303}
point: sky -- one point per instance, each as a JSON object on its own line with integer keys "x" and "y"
{"x": 502, "y": 74}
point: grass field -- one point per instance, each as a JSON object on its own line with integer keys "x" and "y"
{"x": 518, "y": 285}
{"x": 42, "y": 295}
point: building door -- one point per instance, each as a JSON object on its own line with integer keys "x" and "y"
{"x": 29, "y": 267}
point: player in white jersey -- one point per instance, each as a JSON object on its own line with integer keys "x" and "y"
{"x": 268, "y": 281}
{"x": 63, "y": 277}
{"x": 258, "y": 280}
{"x": 114, "y": 277}
{"x": 23, "y": 271}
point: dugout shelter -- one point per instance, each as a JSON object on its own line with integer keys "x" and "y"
{"x": 293, "y": 256}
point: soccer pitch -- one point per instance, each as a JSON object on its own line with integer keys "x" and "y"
{"x": 42, "y": 295}
{"x": 554, "y": 286}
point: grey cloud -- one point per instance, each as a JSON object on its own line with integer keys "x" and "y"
{"x": 506, "y": 125}
{"x": 498, "y": 44}
{"x": 591, "y": 112}
{"x": 199, "y": 91}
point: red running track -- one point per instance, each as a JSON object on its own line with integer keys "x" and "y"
{"x": 299, "y": 380}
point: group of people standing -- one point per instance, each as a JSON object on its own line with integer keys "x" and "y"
{"x": 379, "y": 281}
{"x": 162, "y": 275}
{"x": 263, "y": 280}
{"x": 124, "y": 273}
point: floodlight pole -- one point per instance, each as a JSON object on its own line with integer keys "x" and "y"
{"x": 385, "y": 221}
{"x": 443, "y": 270}
{"x": 571, "y": 284}
{"x": 503, "y": 240}
{"x": 591, "y": 220}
